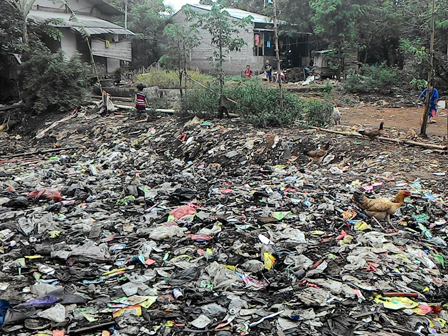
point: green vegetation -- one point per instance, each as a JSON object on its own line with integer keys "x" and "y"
{"x": 169, "y": 79}
{"x": 258, "y": 104}
{"x": 318, "y": 113}
{"x": 372, "y": 79}
{"x": 51, "y": 83}
{"x": 224, "y": 32}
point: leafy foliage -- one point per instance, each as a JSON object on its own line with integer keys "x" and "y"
{"x": 372, "y": 79}
{"x": 318, "y": 113}
{"x": 10, "y": 27}
{"x": 259, "y": 105}
{"x": 170, "y": 80}
{"x": 224, "y": 31}
{"x": 147, "y": 19}
{"x": 51, "y": 83}
{"x": 24, "y": 8}
{"x": 181, "y": 41}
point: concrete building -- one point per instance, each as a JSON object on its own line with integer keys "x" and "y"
{"x": 107, "y": 40}
{"x": 259, "y": 39}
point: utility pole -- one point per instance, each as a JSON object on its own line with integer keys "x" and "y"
{"x": 431, "y": 67}
{"x": 277, "y": 52}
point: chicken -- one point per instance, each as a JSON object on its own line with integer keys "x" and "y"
{"x": 411, "y": 134}
{"x": 380, "y": 208}
{"x": 337, "y": 115}
{"x": 317, "y": 155}
{"x": 373, "y": 134}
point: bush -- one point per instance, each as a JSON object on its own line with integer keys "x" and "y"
{"x": 418, "y": 84}
{"x": 50, "y": 83}
{"x": 201, "y": 102}
{"x": 169, "y": 79}
{"x": 318, "y": 113}
{"x": 371, "y": 79}
{"x": 259, "y": 105}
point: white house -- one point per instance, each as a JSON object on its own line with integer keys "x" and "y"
{"x": 107, "y": 40}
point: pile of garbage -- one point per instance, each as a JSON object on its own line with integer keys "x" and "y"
{"x": 163, "y": 227}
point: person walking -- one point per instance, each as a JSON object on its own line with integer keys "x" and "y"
{"x": 433, "y": 100}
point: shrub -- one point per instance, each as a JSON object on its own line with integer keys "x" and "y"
{"x": 328, "y": 87}
{"x": 368, "y": 79}
{"x": 201, "y": 102}
{"x": 51, "y": 83}
{"x": 169, "y": 79}
{"x": 259, "y": 105}
{"x": 418, "y": 84}
{"x": 318, "y": 113}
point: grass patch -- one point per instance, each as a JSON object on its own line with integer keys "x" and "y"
{"x": 169, "y": 79}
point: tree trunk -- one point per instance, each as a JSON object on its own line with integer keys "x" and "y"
{"x": 277, "y": 54}
{"x": 221, "y": 71}
{"x": 25, "y": 31}
{"x": 179, "y": 69}
{"x": 185, "y": 66}
{"x": 431, "y": 59}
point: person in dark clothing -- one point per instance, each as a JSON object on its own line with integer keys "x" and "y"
{"x": 268, "y": 69}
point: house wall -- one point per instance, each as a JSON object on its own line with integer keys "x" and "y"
{"x": 235, "y": 62}
{"x": 112, "y": 65}
{"x": 68, "y": 43}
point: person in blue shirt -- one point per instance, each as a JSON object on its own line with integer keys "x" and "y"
{"x": 433, "y": 100}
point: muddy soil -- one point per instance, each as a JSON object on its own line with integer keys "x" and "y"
{"x": 402, "y": 119}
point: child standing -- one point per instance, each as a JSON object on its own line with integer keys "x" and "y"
{"x": 140, "y": 98}
{"x": 248, "y": 71}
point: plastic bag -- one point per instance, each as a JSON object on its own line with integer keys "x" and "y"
{"x": 48, "y": 193}
{"x": 4, "y": 307}
{"x": 167, "y": 232}
{"x": 182, "y": 211}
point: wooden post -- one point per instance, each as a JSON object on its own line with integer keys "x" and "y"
{"x": 277, "y": 52}
{"x": 431, "y": 62}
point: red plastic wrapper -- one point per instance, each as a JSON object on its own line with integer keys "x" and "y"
{"x": 183, "y": 211}
{"x": 47, "y": 193}
{"x": 200, "y": 237}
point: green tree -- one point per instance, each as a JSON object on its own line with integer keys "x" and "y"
{"x": 24, "y": 7}
{"x": 224, "y": 33}
{"x": 49, "y": 82}
{"x": 147, "y": 19}
{"x": 181, "y": 41}
{"x": 335, "y": 22}
{"x": 10, "y": 28}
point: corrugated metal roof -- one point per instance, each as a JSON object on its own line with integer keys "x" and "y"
{"x": 241, "y": 14}
{"x": 93, "y": 25}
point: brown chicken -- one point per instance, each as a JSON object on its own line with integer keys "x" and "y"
{"x": 372, "y": 134}
{"x": 317, "y": 155}
{"x": 380, "y": 208}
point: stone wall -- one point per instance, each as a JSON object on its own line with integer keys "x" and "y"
{"x": 235, "y": 62}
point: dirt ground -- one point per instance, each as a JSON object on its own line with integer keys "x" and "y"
{"x": 402, "y": 119}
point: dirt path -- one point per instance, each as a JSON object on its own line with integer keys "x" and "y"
{"x": 400, "y": 118}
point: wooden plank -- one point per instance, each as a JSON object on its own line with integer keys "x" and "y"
{"x": 118, "y": 50}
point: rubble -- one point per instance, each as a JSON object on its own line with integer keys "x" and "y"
{"x": 171, "y": 227}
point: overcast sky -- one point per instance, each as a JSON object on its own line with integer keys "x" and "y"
{"x": 177, "y": 4}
